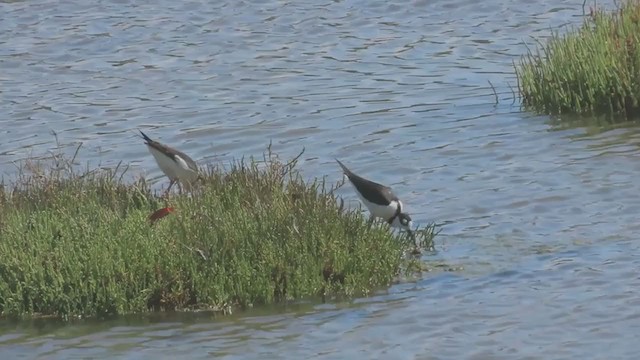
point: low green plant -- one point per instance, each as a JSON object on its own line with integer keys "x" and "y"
{"x": 81, "y": 244}
{"x": 592, "y": 69}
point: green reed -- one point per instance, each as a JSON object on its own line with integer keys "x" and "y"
{"x": 80, "y": 244}
{"x": 592, "y": 69}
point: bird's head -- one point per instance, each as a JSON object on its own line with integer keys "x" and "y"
{"x": 403, "y": 221}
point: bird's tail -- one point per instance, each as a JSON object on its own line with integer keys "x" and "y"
{"x": 344, "y": 168}
{"x": 145, "y": 137}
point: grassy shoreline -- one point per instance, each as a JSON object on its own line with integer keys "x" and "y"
{"x": 80, "y": 244}
{"x": 592, "y": 69}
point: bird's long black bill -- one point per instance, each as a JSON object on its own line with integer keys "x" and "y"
{"x": 413, "y": 237}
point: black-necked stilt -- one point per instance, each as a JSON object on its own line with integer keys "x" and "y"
{"x": 178, "y": 166}
{"x": 379, "y": 199}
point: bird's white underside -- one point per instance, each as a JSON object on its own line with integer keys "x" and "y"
{"x": 175, "y": 170}
{"x": 385, "y": 212}
{"x": 381, "y": 211}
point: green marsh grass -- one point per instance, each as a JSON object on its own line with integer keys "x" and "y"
{"x": 80, "y": 244}
{"x": 592, "y": 69}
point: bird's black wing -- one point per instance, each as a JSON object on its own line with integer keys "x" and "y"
{"x": 169, "y": 151}
{"x": 370, "y": 190}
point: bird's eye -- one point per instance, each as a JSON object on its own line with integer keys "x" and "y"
{"x": 404, "y": 221}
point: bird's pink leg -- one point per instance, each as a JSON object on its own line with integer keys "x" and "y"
{"x": 170, "y": 185}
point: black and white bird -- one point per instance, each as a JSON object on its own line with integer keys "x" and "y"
{"x": 379, "y": 199}
{"x": 178, "y": 166}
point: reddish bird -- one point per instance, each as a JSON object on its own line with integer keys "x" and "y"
{"x": 159, "y": 214}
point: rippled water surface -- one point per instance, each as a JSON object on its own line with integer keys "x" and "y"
{"x": 540, "y": 214}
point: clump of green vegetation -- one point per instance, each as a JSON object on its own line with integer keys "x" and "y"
{"x": 593, "y": 69}
{"x": 80, "y": 244}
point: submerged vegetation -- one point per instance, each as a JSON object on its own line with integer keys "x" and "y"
{"x": 80, "y": 244}
{"x": 593, "y": 69}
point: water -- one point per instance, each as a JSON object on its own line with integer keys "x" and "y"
{"x": 539, "y": 214}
